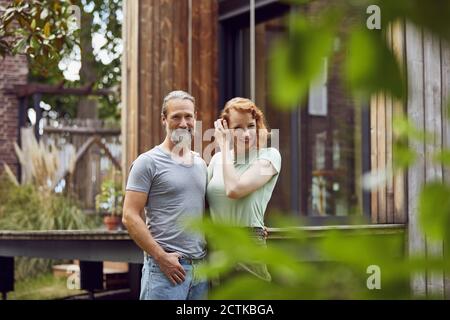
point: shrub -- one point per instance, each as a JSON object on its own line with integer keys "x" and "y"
{"x": 25, "y": 207}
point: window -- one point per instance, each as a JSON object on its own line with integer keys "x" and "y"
{"x": 324, "y": 143}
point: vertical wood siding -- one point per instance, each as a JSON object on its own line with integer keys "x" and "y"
{"x": 156, "y": 62}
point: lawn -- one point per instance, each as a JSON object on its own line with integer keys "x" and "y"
{"x": 42, "y": 287}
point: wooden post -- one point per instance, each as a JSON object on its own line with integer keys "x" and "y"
{"x": 6, "y": 276}
{"x": 398, "y": 45}
{"x": 87, "y": 172}
{"x": 388, "y": 201}
{"x": 134, "y": 279}
{"x": 381, "y": 152}
{"x": 130, "y": 83}
{"x": 389, "y": 218}
{"x": 374, "y": 154}
{"x": 433, "y": 125}
{"x": 22, "y": 120}
{"x": 416, "y": 173}
{"x": 445, "y": 55}
{"x": 91, "y": 276}
{"x": 37, "y": 109}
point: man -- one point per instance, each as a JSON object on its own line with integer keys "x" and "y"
{"x": 168, "y": 183}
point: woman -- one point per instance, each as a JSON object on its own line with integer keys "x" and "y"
{"x": 243, "y": 174}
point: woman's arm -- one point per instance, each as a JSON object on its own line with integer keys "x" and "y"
{"x": 251, "y": 180}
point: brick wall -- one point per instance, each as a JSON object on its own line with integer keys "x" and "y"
{"x": 13, "y": 71}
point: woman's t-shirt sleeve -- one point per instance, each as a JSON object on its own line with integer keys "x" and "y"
{"x": 273, "y": 156}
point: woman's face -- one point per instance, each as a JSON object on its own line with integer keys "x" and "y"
{"x": 243, "y": 127}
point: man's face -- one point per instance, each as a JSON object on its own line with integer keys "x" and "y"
{"x": 180, "y": 120}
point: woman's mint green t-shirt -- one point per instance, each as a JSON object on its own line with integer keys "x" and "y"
{"x": 249, "y": 210}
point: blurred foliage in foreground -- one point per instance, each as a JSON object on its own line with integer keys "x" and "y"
{"x": 337, "y": 264}
{"x": 369, "y": 67}
{"x": 369, "y": 64}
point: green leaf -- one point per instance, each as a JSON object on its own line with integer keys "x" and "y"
{"x": 297, "y": 60}
{"x": 434, "y": 208}
{"x": 447, "y": 107}
{"x": 403, "y": 155}
{"x": 431, "y": 15}
{"x": 7, "y": 18}
{"x": 34, "y": 43}
{"x": 20, "y": 46}
{"x": 47, "y": 29}
{"x": 371, "y": 67}
{"x": 443, "y": 157}
{"x": 403, "y": 127}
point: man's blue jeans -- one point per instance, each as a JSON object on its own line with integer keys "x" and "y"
{"x": 156, "y": 286}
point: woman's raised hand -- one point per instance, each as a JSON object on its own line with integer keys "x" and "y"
{"x": 222, "y": 134}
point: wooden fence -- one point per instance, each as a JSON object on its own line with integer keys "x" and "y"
{"x": 94, "y": 150}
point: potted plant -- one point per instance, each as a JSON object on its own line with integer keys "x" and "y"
{"x": 109, "y": 202}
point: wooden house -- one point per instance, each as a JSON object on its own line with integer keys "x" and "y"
{"x": 211, "y": 49}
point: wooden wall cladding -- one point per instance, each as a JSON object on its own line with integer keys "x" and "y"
{"x": 427, "y": 61}
{"x": 388, "y": 202}
{"x": 163, "y": 55}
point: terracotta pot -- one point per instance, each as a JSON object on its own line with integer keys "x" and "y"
{"x": 112, "y": 222}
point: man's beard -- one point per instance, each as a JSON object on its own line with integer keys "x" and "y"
{"x": 181, "y": 136}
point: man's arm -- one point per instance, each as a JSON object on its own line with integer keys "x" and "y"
{"x": 168, "y": 262}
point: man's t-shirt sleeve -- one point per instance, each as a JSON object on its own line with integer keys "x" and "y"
{"x": 141, "y": 174}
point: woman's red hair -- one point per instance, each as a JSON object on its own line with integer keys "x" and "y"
{"x": 246, "y": 105}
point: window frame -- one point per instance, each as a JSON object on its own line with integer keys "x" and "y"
{"x": 234, "y": 17}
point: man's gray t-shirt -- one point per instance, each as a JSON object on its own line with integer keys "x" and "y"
{"x": 175, "y": 192}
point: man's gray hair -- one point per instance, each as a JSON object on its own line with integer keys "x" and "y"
{"x": 177, "y": 94}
